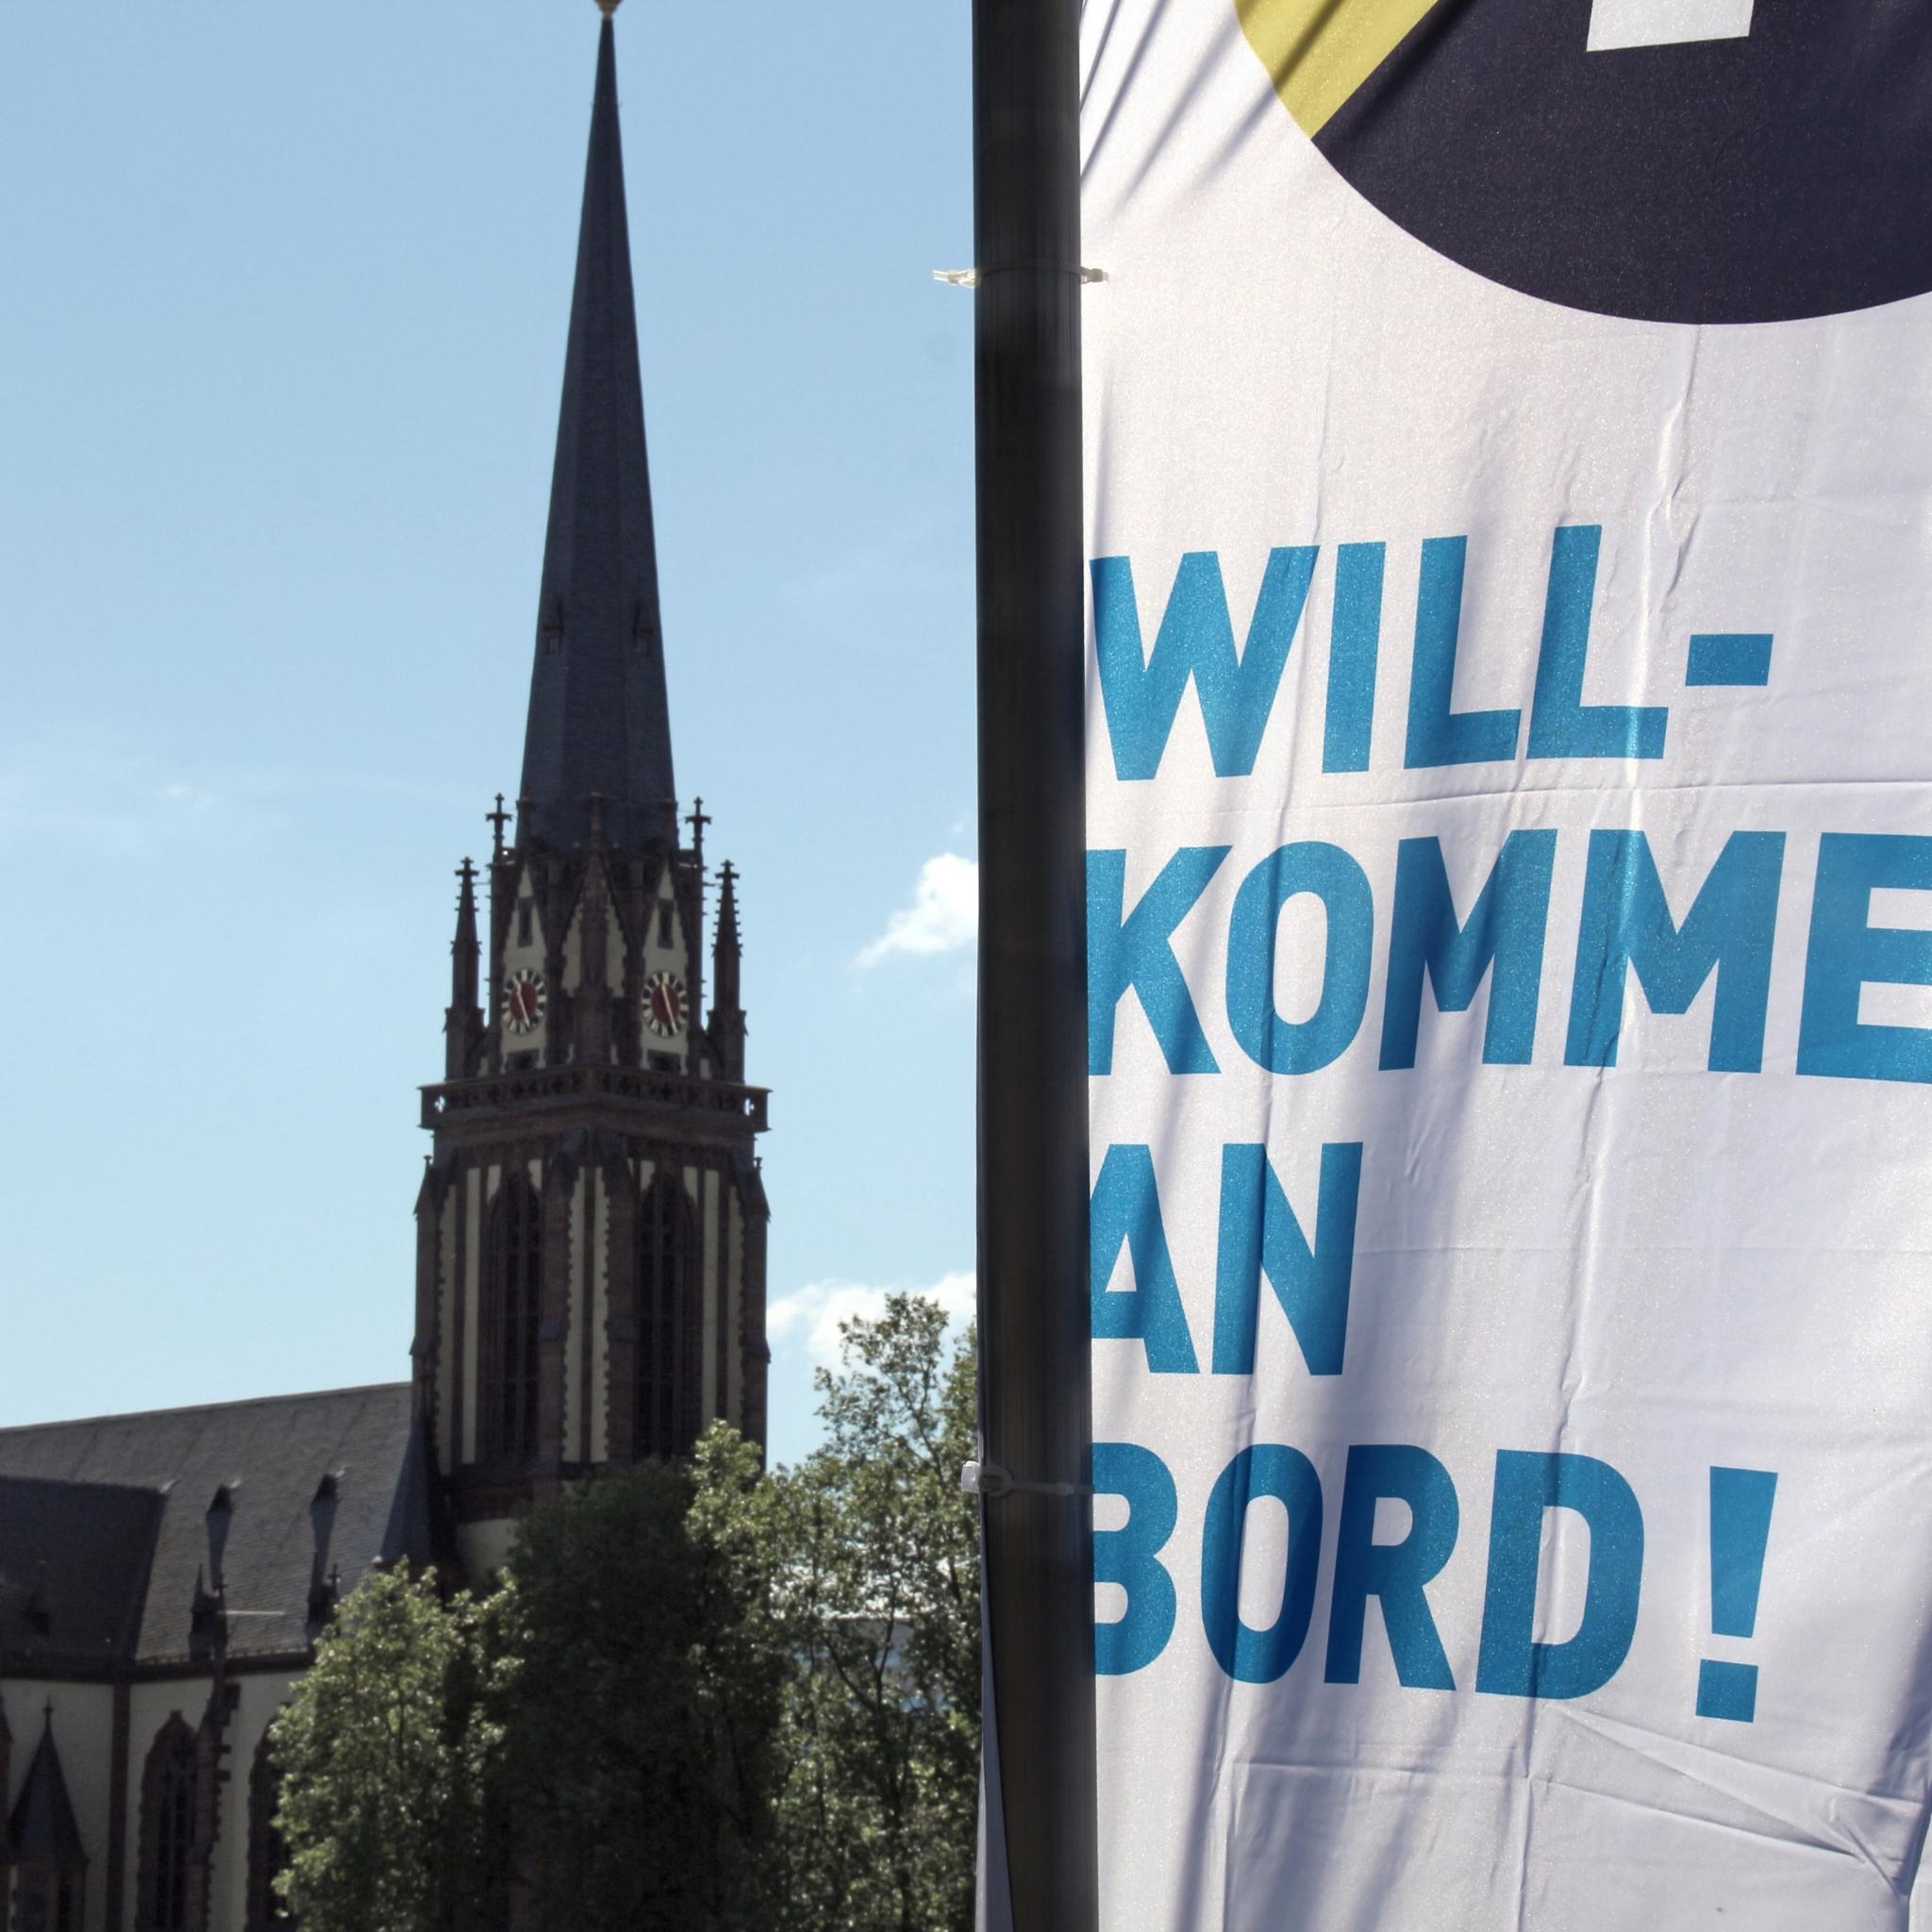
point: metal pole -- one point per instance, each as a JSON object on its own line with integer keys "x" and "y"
{"x": 1036, "y": 1405}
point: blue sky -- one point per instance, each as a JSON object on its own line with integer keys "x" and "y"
{"x": 283, "y": 292}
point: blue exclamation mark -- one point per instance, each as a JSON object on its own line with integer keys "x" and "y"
{"x": 1741, "y": 1501}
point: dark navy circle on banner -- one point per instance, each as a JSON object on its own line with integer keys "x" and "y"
{"x": 1771, "y": 161}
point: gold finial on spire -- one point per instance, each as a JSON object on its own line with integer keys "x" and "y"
{"x": 609, "y": 7}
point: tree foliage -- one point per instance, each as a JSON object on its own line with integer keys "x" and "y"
{"x": 881, "y": 1740}
{"x": 385, "y": 1753}
{"x": 703, "y": 1700}
{"x": 639, "y": 1735}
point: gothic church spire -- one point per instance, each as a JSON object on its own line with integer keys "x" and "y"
{"x": 599, "y": 720}
{"x": 727, "y": 1015}
{"x": 462, "y": 1023}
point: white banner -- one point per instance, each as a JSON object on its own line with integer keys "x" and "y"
{"x": 1509, "y": 437}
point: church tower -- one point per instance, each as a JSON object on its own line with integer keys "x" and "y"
{"x": 590, "y": 1233}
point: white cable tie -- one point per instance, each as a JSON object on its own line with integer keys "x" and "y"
{"x": 969, "y": 277}
{"x": 988, "y": 1479}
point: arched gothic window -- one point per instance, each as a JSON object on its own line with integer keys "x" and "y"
{"x": 169, "y": 1831}
{"x": 512, "y": 1303}
{"x": 268, "y": 1854}
{"x": 670, "y": 1321}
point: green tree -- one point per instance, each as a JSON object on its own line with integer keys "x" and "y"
{"x": 880, "y": 1598}
{"x": 386, "y": 1750}
{"x": 702, "y": 1701}
{"x": 640, "y": 1722}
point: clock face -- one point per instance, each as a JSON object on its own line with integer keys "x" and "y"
{"x": 522, "y": 1001}
{"x": 664, "y": 1004}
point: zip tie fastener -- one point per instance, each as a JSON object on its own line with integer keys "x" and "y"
{"x": 988, "y": 1479}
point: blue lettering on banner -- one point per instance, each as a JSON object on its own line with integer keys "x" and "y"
{"x": 1505, "y": 930}
{"x": 1133, "y": 953}
{"x": 1238, "y": 689}
{"x": 1393, "y": 1572}
{"x": 1625, "y": 927}
{"x": 1335, "y": 878}
{"x": 1735, "y": 658}
{"x": 1260, "y": 1234}
{"x": 1266, "y": 1470}
{"x": 1561, "y": 726}
{"x": 1511, "y": 1662}
{"x": 1353, "y": 643}
{"x": 1130, "y": 1556}
{"x": 1439, "y": 734}
{"x": 1724, "y": 942}
{"x": 1741, "y": 1505}
{"x": 1847, "y": 953}
{"x": 1126, "y": 1213}
{"x": 1626, "y": 923}
{"x": 1143, "y": 694}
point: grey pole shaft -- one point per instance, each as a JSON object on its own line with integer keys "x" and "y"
{"x": 1036, "y": 1402}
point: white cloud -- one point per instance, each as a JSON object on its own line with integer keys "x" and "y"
{"x": 78, "y": 790}
{"x": 944, "y": 916}
{"x": 810, "y": 1317}
{"x": 191, "y": 798}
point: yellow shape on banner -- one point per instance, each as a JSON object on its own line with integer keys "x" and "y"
{"x": 1319, "y": 51}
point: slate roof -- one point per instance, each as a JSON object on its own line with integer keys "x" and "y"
{"x": 42, "y": 1828}
{"x": 122, "y": 1521}
{"x": 599, "y": 719}
{"x": 75, "y": 1559}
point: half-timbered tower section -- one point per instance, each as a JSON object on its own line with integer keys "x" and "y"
{"x": 590, "y": 1277}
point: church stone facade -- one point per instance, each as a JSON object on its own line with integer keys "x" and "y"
{"x": 590, "y": 1275}
{"x": 591, "y": 1259}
